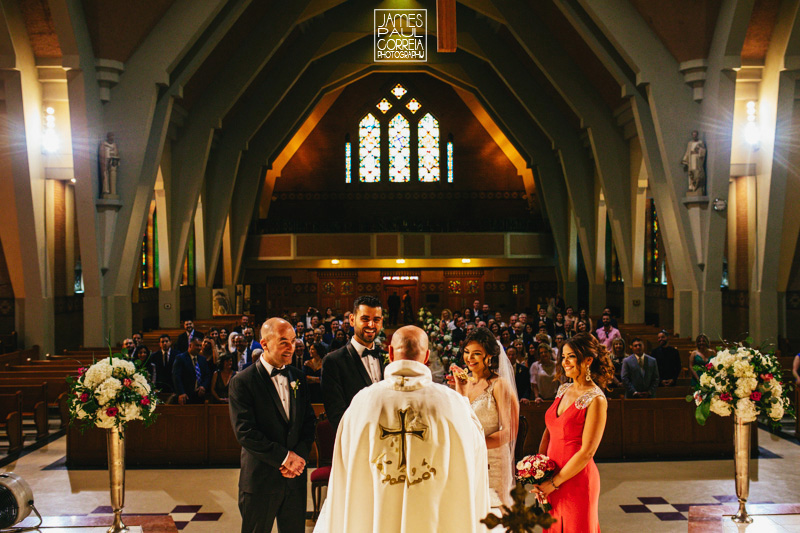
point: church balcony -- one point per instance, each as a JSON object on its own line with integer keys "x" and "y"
{"x": 390, "y": 250}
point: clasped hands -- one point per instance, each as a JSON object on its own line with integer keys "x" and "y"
{"x": 544, "y": 489}
{"x": 293, "y": 466}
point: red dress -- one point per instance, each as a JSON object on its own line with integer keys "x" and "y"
{"x": 575, "y": 502}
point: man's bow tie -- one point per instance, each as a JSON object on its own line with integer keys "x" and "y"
{"x": 372, "y": 353}
{"x": 276, "y": 371}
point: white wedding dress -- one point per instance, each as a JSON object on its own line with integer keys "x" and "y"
{"x": 500, "y": 482}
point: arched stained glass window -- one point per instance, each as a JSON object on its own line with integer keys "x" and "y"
{"x": 369, "y": 149}
{"x": 428, "y": 149}
{"x": 399, "y": 150}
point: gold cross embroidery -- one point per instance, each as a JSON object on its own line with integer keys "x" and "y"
{"x": 402, "y": 431}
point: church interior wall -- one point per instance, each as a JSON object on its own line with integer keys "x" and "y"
{"x": 7, "y": 307}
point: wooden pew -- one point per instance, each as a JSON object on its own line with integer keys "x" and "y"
{"x": 11, "y": 420}
{"x": 57, "y": 391}
{"x": 34, "y": 404}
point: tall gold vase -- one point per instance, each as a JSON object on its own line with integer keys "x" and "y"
{"x": 116, "y": 472}
{"x": 741, "y": 463}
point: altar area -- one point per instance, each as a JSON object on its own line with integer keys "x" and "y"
{"x": 654, "y": 496}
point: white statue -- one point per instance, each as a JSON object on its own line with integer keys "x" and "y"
{"x": 109, "y": 162}
{"x": 694, "y": 161}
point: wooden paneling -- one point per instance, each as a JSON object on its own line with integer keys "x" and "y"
{"x": 343, "y": 245}
{"x": 466, "y": 245}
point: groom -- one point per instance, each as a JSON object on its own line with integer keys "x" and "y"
{"x": 355, "y": 365}
{"x": 273, "y": 420}
{"x": 409, "y": 455}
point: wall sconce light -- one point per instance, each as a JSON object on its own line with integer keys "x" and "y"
{"x": 466, "y": 261}
{"x": 400, "y": 261}
{"x": 334, "y": 261}
{"x": 50, "y": 137}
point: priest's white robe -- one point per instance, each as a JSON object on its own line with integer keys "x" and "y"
{"x": 410, "y": 456}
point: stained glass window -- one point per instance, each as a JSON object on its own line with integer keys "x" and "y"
{"x": 347, "y": 161}
{"x": 450, "y": 162}
{"x": 428, "y": 149}
{"x": 369, "y": 149}
{"x": 399, "y": 149}
{"x": 472, "y": 286}
{"x": 454, "y": 286}
{"x": 398, "y": 91}
{"x": 413, "y": 105}
{"x": 384, "y": 106}
{"x": 328, "y": 288}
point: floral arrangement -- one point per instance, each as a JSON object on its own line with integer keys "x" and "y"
{"x": 742, "y": 381}
{"x": 441, "y": 343}
{"x": 111, "y": 393}
{"x": 535, "y": 470}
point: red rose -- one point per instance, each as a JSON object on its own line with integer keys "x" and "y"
{"x": 725, "y": 397}
{"x": 709, "y": 366}
{"x": 755, "y": 396}
{"x": 766, "y": 377}
{"x": 112, "y": 411}
{"x": 84, "y": 397}
{"x": 145, "y": 401}
{"x": 81, "y": 371}
{"x": 126, "y": 382}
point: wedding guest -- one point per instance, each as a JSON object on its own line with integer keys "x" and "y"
{"x": 498, "y": 317}
{"x": 548, "y": 322}
{"x": 522, "y": 374}
{"x": 244, "y": 322}
{"x": 328, "y": 318}
{"x": 249, "y": 338}
{"x": 505, "y": 340}
{"x": 137, "y": 338}
{"x": 469, "y": 318}
{"x": 543, "y": 332}
{"x": 584, "y": 315}
{"x": 639, "y": 372}
{"x": 221, "y": 379}
{"x": 668, "y": 359}
{"x": 141, "y": 357}
{"x": 339, "y": 340}
{"x": 128, "y": 348}
{"x": 607, "y": 311}
{"x": 213, "y": 334}
{"x": 700, "y": 358}
{"x": 222, "y": 341}
{"x": 495, "y": 329}
{"x": 209, "y": 351}
{"x": 182, "y": 344}
{"x": 162, "y": 366}
{"x": 607, "y": 332}
{"x": 558, "y": 342}
{"x": 190, "y": 374}
{"x": 528, "y": 334}
{"x": 300, "y": 355}
{"x": 569, "y": 321}
{"x": 313, "y": 370}
{"x": 559, "y": 325}
{"x": 581, "y": 326}
{"x": 446, "y": 322}
{"x": 617, "y": 355}
{"x": 543, "y": 375}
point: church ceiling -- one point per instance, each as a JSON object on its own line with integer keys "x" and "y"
{"x": 40, "y": 28}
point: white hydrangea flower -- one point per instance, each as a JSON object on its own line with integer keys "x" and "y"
{"x": 130, "y": 411}
{"x": 746, "y": 410}
{"x": 743, "y": 369}
{"x": 107, "y": 390}
{"x": 706, "y": 380}
{"x": 140, "y": 385}
{"x": 744, "y": 386}
{"x": 97, "y": 374}
{"x": 720, "y": 407}
{"x": 80, "y": 413}
{"x": 776, "y": 411}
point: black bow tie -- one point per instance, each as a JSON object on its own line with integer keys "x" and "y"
{"x": 372, "y": 353}
{"x": 276, "y": 371}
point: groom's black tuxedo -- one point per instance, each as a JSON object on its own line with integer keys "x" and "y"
{"x": 266, "y": 435}
{"x": 343, "y": 375}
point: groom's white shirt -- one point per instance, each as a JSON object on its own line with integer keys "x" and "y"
{"x": 444, "y": 486}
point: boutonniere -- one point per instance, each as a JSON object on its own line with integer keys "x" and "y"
{"x": 294, "y": 385}
{"x": 386, "y": 359}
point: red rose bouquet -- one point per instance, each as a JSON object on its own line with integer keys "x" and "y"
{"x": 536, "y": 469}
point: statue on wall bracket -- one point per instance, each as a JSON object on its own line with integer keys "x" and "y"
{"x": 694, "y": 164}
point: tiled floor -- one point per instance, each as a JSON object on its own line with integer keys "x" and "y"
{"x": 652, "y": 497}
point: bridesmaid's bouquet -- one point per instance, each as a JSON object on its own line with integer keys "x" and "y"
{"x": 536, "y": 469}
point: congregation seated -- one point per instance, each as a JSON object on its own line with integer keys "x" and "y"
{"x": 221, "y": 378}
{"x": 668, "y": 359}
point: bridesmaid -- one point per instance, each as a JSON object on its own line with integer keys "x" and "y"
{"x": 575, "y": 423}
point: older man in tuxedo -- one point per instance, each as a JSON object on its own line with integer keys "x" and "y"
{"x": 355, "y": 365}
{"x": 274, "y": 422}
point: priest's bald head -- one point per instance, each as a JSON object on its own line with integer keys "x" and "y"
{"x": 409, "y": 343}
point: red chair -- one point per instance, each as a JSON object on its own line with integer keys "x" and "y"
{"x": 324, "y": 438}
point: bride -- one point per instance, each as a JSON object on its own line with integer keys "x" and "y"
{"x": 493, "y": 396}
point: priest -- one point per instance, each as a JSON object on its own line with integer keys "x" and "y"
{"x": 410, "y": 455}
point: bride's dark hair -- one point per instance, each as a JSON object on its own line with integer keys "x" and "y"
{"x": 488, "y": 342}
{"x": 586, "y": 345}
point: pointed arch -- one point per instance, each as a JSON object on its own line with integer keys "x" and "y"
{"x": 428, "y": 149}
{"x": 399, "y": 149}
{"x": 369, "y": 149}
